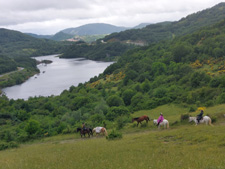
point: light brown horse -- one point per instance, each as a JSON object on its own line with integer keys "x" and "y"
{"x": 140, "y": 119}
{"x": 99, "y": 130}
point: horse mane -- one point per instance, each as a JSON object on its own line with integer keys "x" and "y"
{"x": 136, "y": 118}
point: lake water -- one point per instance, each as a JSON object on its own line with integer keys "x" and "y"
{"x": 53, "y": 78}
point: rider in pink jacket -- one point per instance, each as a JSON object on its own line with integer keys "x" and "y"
{"x": 160, "y": 119}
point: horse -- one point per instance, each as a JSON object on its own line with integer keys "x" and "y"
{"x": 99, "y": 130}
{"x": 140, "y": 119}
{"x": 206, "y": 119}
{"x": 165, "y": 123}
{"x": 86, "y": 131}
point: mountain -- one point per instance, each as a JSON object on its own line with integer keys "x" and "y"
{"x": 61, "y": 36}
{"x": 15, "y": 43}
{"x": 141, "y": 25}
{"x": 94, "y": 29}
{"x": 87, "y": 30}
{"x": 168, "y": 30}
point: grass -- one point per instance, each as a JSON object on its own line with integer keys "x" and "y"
{"x": 184, "y": 146}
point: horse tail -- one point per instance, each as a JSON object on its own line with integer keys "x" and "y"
{"x": 210, "y": 122}
{"x": 148, "y": 118}
{"x": 106, "y": 133}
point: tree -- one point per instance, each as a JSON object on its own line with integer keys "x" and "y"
{"x": 114, "y": 100}
{"x": 127, "y": 96}
{"x": 180, "y": 51}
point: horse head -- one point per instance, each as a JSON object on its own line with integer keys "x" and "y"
{"x": 78, "y": 129}
{"x": 191, "y": 119}
{"x": 155, "y": 121}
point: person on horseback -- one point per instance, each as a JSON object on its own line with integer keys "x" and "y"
{"x": 160, "y": 119}
{"x": 83, "y": 126}
{"x": 199, "y": 116}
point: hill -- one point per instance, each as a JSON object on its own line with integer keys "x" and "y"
{"x": 14, "y": 43}
{"x": 176, "y": 147}
{"x": 94, "y": 29}
{"x": 87, "y": 30}
{"x": 168, "y": 30}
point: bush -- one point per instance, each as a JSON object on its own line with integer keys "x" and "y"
{"x": 121, "y": 121}
{"x": 4, "y": 145}
{"x": 114, "y": 135}
{"x": 184, "y": 117}
{"x": 214, "y": 119}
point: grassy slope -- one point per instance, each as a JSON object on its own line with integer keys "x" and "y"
{"x": 185, "y": 146}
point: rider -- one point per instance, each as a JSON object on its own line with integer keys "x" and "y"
{"x": 160, "y": 119}
{"x": 83, "y": 126}
{"x": 199, "y": 116}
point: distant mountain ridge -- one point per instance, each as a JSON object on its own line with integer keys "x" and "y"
{"x": 94, "y": 29}
{"x": 87, "y": 30}
{"x": 168, "y": 30}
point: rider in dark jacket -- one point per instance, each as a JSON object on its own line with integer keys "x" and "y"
{"x": 83, "y": 126}
{"x": 199, "y": 116}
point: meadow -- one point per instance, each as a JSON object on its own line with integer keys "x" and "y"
{"x": 183, "y": 146}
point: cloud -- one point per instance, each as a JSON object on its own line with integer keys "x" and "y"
{"x": 50, "y": 16}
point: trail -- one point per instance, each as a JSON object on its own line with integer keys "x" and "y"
{"x": 18, "y": 69}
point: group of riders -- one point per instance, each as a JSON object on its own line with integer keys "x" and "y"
{"x": 199, "y": 117}
{"x": 160, "y": 119}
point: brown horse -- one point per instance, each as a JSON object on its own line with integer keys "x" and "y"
{"x": 86, "y": 131}
{"x": 140, "y": 119}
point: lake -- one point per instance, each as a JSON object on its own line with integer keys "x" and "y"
{"x": 53, "y": 78}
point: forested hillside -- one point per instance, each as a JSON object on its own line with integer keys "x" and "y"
{"x": 168, "y": 30}
{"x": 14, "y": 43}
{"x": 188, "y": 71}
{"x": 102, "y": 51}
{"x": 152, "y": 33}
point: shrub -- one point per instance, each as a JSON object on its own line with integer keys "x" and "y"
{"x": 121, "y": 121}
{"x": 184, "y": 117}
{"x": 4, "y": 145}
{"x": 114, "y": 135}
{"x": 214, "y": 119}
{"x": 32, "y": 127}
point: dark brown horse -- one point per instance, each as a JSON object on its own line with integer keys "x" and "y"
{"x": 140, "y": 119}
{"x": 85, "y": 131}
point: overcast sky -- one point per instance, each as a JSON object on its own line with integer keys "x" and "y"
{"x": 51, "y": 16}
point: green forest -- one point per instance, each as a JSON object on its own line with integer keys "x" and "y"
{"x": 168, "y": 30}
{"x": 187, "y": 70}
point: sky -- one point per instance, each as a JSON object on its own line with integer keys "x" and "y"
{"x": 47, "y": 17}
